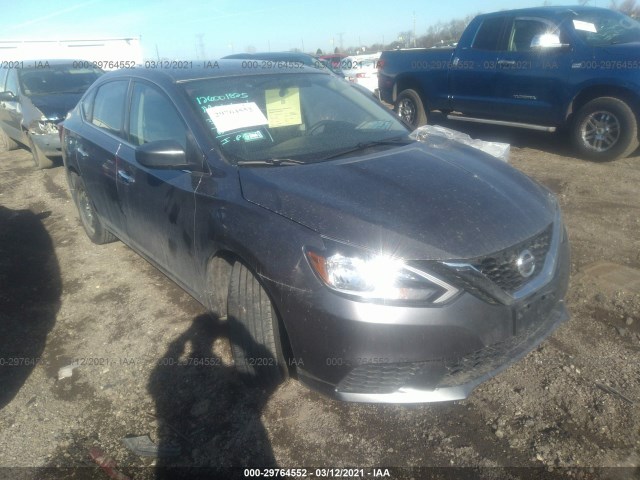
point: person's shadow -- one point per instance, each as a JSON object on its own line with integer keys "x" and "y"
{"x": 208, "y": 413}
{"x": 30, "y": 289}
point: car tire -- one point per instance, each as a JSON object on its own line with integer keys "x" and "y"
{"x": 254, "y": 332}
{"x": 6, "y": 142}
{"x": 88, "y": 215}
{"x": 410, "y": 108}
{"x": 40, "y": 160}
{"x": 605, "y": 129}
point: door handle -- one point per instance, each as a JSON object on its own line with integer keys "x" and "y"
{"x": 125, "y": 177}
{"x": 506, "y": 63}
{"x": 81, "y": 152}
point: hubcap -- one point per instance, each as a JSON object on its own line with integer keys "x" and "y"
{"x": 86, "y": 210}
{"x": 600, "y": 131}
{"x": 407, "y": 110}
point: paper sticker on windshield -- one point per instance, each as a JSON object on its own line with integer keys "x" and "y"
{"x": 283, "y": 107}
{"x": 584, "y": 26}
{"x": 232, "y": 117}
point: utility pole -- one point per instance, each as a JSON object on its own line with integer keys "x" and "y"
{"x": 200, "y": 46}
{"x": 341, "y": 45}
{"x": 414, "y": 28}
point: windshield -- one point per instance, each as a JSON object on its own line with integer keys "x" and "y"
{"x": 606, "y": 27}
{"x": 57, "y": 79}
{"x": 299, "y": 117}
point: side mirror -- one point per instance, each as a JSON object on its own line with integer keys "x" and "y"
{"x": 163, "y": 154}
{"x": 7, "y": 97}
{"x": 547, "y": 40}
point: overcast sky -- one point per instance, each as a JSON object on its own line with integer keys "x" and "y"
{"x": 178, "y": 27}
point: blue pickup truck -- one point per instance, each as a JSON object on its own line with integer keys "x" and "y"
{"x": 549, "y": 68}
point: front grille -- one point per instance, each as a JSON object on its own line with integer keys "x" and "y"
{"x": 501, "y": 267}
{"x": 378, "y": 378}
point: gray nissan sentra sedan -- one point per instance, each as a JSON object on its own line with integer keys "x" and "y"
{"x": 373, "y": 267}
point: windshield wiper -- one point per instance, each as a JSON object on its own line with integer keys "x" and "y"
{"x": 401, "y": 140}
{"x": 276, "y": 162}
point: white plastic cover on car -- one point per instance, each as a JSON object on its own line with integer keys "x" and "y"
{"x": 432, "y": 135}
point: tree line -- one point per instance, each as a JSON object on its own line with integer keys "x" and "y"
{"x": 448, "y": 33}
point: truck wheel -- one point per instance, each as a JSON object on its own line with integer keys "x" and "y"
{"x": 409, "y": 107}
{"x": 6, "y": 142}
{"x": 88, "y": 216}
{"x": 605, "y": 129}
{"x": 253, "y": 330}
{"x": 40, "y": 160}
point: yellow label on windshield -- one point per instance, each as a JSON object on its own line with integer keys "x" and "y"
{"x": 283, "y": 107}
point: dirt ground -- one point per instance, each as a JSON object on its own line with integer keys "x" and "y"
{"x": 571, "y": 408}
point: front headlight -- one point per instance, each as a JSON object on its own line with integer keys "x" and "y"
{"x": 48, "y": 127}
{"x": 44, "y": 126}
{"x": 379, "y": 277}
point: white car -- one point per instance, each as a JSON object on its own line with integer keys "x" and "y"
{"x": 362, "y": 69}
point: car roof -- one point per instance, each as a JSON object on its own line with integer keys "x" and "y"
{"x": 204, "y": 69}
{"x": 554, "y": 11}
{"x": 273, "y": 56}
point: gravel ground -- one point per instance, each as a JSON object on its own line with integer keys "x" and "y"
{"x": 569, "y": 409}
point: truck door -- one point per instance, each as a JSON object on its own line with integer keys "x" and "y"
{"x": 532, "y": 72}
{"x": 473, "y": 72}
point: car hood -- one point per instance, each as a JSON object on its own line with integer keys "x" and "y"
{"x": 55, "y": 105}
{"x": 416, "y": 202}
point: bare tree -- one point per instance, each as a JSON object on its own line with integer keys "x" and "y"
{"x": 628, "y": 7}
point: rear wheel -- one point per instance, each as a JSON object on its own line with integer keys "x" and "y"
{"x": 410, "y": 108}
{"x": 6, "y": 142}
{"x": 605, "y": 129}
{"x": 254, "y": 330}
{"x": 88, "y": 216}
{"x": 40, "y": 160}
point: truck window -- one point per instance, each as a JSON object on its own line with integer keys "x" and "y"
{"x": 489, "y": 34}
{"x": 523, "y": 31}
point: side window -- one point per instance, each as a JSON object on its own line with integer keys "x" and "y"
{"x": 12, "y": 82}
{"x": 108, "y": 107}
{"x": 3, "y": 78}
{"x": 489, "y": 34}
{"x": 87, "y": 105}
{"x": 153, "y": 117}
{"x": 523, "y": 31}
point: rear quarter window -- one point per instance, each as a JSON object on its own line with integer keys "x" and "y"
{"x": 489, "y": 34}
{"x": 108, "y": 106}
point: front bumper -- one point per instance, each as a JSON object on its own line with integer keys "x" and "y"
{"x": 48, "y": 144}
{"x": 365, "y": 352}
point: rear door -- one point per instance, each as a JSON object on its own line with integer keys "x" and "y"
{"x": 474, "y": 70}
{"x": 98, "y": 148}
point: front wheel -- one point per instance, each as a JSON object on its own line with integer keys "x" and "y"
{"x": 253, "y": 330}
{"x": 88, "y": 216}
{"x": 410, "y": 108}
{"x": 605, "y": 129}
{"x": 6, "y": 142}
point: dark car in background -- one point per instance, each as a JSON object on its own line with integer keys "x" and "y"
{"x": 376, "y": 268}
{"x": 35, "y": 96}
{"x": 266, "y": 60}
